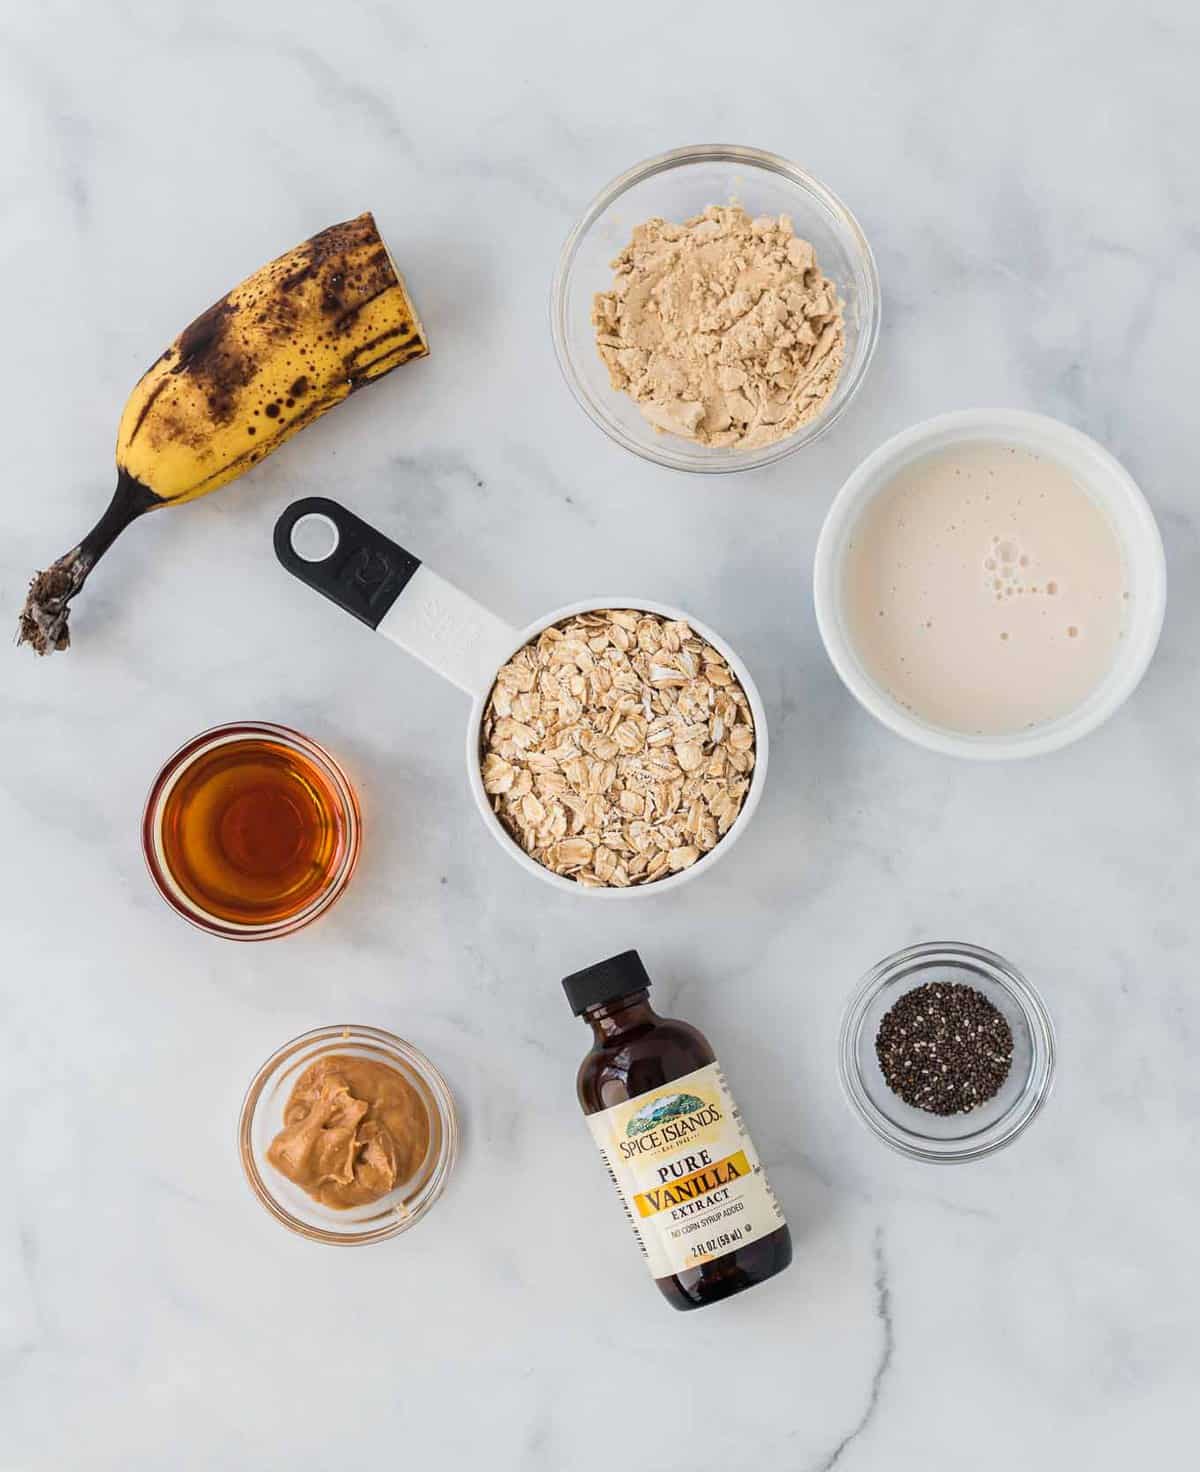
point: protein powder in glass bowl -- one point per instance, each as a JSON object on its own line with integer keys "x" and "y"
{"x": 677, "y": 187}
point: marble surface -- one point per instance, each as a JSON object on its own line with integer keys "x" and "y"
{"x": 1027, "y": 176}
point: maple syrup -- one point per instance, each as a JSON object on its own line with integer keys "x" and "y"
{"x": 249, "y": 829}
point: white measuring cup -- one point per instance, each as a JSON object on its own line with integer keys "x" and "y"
{"x": 391, "y": 591}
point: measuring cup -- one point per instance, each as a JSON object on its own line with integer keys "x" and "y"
{"x": 391, "y": 591}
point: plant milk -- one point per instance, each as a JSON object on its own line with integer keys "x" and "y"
{"x": 984, "y": 590}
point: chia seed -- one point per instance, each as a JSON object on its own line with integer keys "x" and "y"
{"x": 943, "y": 1047}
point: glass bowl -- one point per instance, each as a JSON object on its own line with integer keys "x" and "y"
{"x": 262, "y": 1118}
{"x": 338, "y": 795}
{"x": 916, "y": 1132}
{"x": 676, "y": 186}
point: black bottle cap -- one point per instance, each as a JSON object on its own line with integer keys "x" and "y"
{"x": 605, "y": 981}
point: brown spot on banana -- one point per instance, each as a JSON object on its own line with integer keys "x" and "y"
{"x": 151, "y": 398}
{"x": 213, "y": 355}
{"x": 284, "y": 430}
{"x": 364, "y": 373}
{"x": 292, "y": 281}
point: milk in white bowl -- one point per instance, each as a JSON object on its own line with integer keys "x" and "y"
{"x": 990, "y": 584}
{"x": 984, "y": 590}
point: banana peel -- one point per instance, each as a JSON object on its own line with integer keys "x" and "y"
{"x": 275, "y": 353}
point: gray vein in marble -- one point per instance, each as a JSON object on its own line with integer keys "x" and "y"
{"x": 538, "y": 1450}
{"x": 883, "y": 1312}
{"x": 835, "y": 1180}
{"x": 27, "y": 1255}
{"x": 72, "y": 133}
{"x": 75, "y": 140}
{"x": 74, "y": 815}
{"x": 169, "y": 1187}
{"x": 539, "y": 1044}
{"x": 332, "y": 86}
{"x": 335, "y": 86}
{"x": 529, "y": 181}
{"x": 526, "y": 458}
{"x": 432, "y": 485}
{"x": 956, "y": 1208}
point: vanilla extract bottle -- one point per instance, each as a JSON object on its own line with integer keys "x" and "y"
{"x": 661, "y": 1112}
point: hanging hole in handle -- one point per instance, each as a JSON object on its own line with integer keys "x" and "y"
{"x": 314, "y": 537}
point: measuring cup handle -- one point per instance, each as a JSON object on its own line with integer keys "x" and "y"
{"x": 390, "y": 590}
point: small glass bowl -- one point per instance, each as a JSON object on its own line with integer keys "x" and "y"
{"x": 676, "y": 186}
{"x": 348, "y": 818}
{"x": 262, "y": 1119}
{"x": 916, "y": 1132}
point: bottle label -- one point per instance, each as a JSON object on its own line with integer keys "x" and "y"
{"x": 687, "y": 1171}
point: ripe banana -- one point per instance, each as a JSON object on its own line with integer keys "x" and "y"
{"x": 268, "y": 358}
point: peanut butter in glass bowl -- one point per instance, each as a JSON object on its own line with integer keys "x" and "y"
{"x": 348, "y": 1134}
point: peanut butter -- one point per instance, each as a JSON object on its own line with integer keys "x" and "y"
{"x": 353, "y": 1129}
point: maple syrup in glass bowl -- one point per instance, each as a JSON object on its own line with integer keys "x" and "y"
{"x": 251, "y": 831}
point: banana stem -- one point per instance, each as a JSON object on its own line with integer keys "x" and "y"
{"x": 43, "y": 621}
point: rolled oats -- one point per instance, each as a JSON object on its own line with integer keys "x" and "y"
{"x": 616, "y": 748}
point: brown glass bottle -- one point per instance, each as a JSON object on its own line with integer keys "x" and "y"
{"x": 634, "y": 1054}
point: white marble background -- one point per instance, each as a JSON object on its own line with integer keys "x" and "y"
{"x": 1027, "y": 174}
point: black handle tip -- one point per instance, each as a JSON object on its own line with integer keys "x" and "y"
{"x": 363, "y": 572}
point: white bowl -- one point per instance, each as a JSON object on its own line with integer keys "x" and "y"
{"x": 707, "y": 861}
{"x": 1108, "y": 484}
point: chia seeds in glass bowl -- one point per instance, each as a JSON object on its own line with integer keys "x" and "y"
{"x": 943, "y": 1047}
{"x": 1009, "y": 1095}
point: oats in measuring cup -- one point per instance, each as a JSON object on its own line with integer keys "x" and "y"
{"x": 617, "y": 747}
